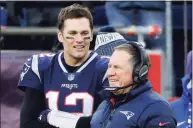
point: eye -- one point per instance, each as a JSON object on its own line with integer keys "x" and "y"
{"x": 117, "y": 67}
{"x": 84, "y": 33}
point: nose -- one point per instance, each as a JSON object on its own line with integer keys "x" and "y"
{"x": 79, "y": 38}
{"x": 110, "y": 72}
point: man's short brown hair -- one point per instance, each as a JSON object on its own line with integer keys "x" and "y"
{"x": 74, "y": 11}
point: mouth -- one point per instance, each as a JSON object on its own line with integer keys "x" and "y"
{"x": 113, "y": 82}
{"x": 79, "y": 47}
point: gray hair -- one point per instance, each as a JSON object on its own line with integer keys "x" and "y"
{"x": 131, "y": 51}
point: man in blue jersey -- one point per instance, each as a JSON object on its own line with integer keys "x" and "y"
{"x": 131, "y": 102}
{"x": 67, "y": 83}
{"x": 183, "y": 106}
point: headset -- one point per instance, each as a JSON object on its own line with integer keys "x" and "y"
{"x": 140, "y": 69}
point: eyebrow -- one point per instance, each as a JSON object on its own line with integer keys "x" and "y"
{"x": 113, "y": 65}
{"x": 77, "y": 31}
{"x": 72, "y": 31}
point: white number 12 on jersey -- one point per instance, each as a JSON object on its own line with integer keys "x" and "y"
{"x": 71, "y": 100}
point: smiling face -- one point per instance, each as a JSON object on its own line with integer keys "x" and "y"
{"x": 76, "y": 37}
{"x": 120, "y": 71}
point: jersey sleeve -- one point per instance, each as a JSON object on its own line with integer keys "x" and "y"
{"x": 30, "y": 74}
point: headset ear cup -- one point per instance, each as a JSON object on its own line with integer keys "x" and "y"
{"x": 136, "y": 74}
{"x": 143, "y": 73}
{"x": 140, "y": 70}
{"x": 140, "y": 73}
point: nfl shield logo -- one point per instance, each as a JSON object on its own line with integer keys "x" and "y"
{"x": 71, "y": 77}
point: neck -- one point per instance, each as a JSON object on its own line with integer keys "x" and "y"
{"x": 71, "y": 61}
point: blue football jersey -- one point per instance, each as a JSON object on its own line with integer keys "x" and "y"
{"x": 74, "y": 92}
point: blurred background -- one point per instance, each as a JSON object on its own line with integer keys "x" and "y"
{"x": 27, "y": 28}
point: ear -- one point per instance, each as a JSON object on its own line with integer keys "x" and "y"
{"x": 60, "y": 36}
